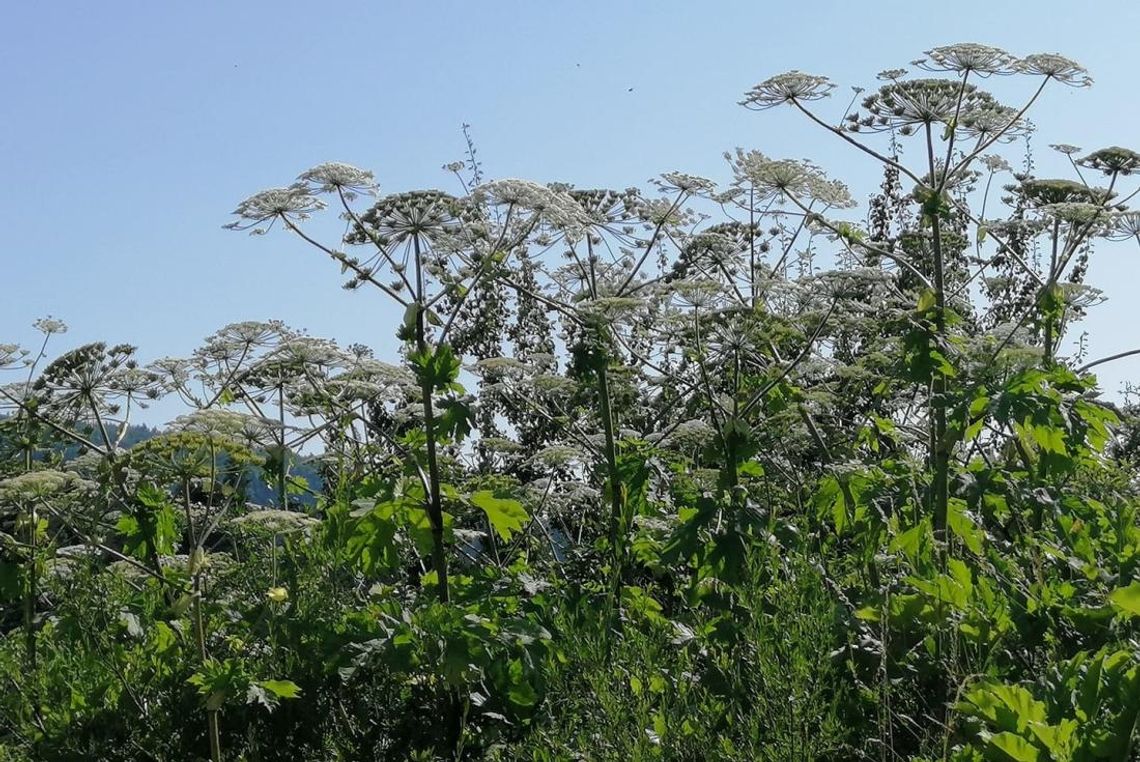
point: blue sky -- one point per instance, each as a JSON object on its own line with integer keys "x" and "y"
{"x": 133, "y": 128}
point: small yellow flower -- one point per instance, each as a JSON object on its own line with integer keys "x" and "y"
{"x": 277, "y": 594}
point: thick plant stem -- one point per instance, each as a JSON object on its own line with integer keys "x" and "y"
{"x": 434, "y": 502}
{"x": 195, "y": 547}
{"x": 212, "y": 725}
{"x": 453, "y": 719}
{"x": 939, "y": 442}
{"x": 32, "y": 591}
{"x": 617, "y": 505}
{"x": 283, "y": 466}
{"x": 1054, "y": 276}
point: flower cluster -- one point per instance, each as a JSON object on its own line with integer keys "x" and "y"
{"x": 1043, "y": 192}
{"x": 41, "y": 485}
{"x": 11, "y": 354}
{"x": 905, "y": 105}
{"x": 337, "y": 177}
{"x": 556, "y": 207}
{"x": 258, "y": 212}
{"x": 785, "y": 88}
{"x": 1078, "y": 213}
{"x": 681, "y": 182}
{"x": 969, "y": 57}
{"x": 1056, "y": 67}
{"x": 400, "y": 217}
{"x": 1126, "y": 227}
{"x": 606, "y": 207}
{"x": 49, "y": 325}
{"x": 773, "y": 179}
{"x": 1112, "y": 161}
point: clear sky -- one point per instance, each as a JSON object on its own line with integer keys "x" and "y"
{"x": 132, "y": 129}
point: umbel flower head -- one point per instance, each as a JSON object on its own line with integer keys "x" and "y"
{"x": 82, "y": 378}
{"x": 605, "y": 207}
{"x": 227, "y": 424}
{"x": 1065, "y": 148}
{"x": 10, "y": 354}
{"x": 790, "y": 86}
{"x": 1126, "y": 226}
{"x": 1112, "y": 161}
{"x": 1043, "y": 192}
{"x": 778, "y": 178}
{"x": 41, "y": 485}
{"x": 969, "y": 57}
{"x": 399, "y": 217}
{"x": 1056, "y": 67}
{"x": 674, "y": 182}
{"x": 905, "y": 105}
{"x": 1079, "y": 213}
{"x": 337, "y": 177}
{"x": 258, "y": 212}
{"x": 49, "y": 325}
{"x": 557, "y": 207}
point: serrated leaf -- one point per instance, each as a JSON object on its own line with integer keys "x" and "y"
{"x": 285, "y": 689}
{"x": 506, "y": 516}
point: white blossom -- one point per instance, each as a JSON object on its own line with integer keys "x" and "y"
{"x": 335, "y": 176}
{"x": 1054, "y": 66}
{"x": 969, "y": 57}
{"x": 790, "y": 86}
{"x": 292, "y": 204}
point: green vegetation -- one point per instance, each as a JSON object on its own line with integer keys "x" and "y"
{"x": 696, "y": 472}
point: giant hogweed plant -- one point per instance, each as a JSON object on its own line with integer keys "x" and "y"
{"x": 723, "y": 394}
{"x": 139, "y": 505}
{"x": 427, "y": 252}
{"x": 989, "y": 409}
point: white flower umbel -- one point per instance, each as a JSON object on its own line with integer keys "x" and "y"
{"x": 1056, "y": 67}
{"x": 258, "y": 212}
{"x": 49, "y": 325}
{"x": 969, "y": 57}
{"x": 337, "y": 177}
{"x": 783, "y": 88}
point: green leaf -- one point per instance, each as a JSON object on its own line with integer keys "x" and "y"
{"x": 506, "y": 516}
{"x": 438, "y": 367}
{"x": 1127, "y": 599}
{"x": 286, "y": 689}
{"x": 522, "y": 694}
{"x": 1012, "y": 748}
{"x": 963, "y": 526}
{"x": 1048, "y": 438}
{"x": 455, "y": 419}
{"x": 372, "y": 542}
{"x": 751, "y": 469}
{"x": 915, "y": 542}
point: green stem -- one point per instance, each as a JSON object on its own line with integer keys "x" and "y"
{"x": 939, "y": 442}
{"x": 617, "y": 505}
{"x": 435, "y": 501}
{"x": 195, "y": 546}
{"x": 31, "y": 591}
{"x": 283, "y": 466}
